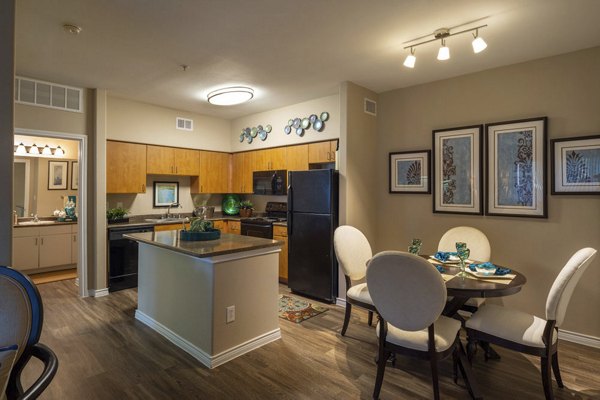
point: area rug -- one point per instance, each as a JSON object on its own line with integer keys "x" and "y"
{"x": 297, "y": 310}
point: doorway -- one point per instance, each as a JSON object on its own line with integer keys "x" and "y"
{"x": 50, "y": 182}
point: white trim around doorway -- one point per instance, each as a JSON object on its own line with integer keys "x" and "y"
{"x": 82, "y": 257}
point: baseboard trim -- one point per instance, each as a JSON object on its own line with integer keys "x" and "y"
{"x": 98, "y": 292}
{"x": 199, "y": 354}
{"x": 579, "y": 338}
{"x": 340, "y": 302}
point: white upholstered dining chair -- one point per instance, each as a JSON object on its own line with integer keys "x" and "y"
{"x": 527, "y": 333}
{"x": 480, "y": 248}
{"x": 353, "y": 250}
{"x": 410, "y": 295}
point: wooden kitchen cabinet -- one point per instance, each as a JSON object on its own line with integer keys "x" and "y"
{"x": 170, "y": 227}
{"x": 269, "y": 159}
{"x": 125, "y": 167}
{"x": 74, "y": 244}
{"x": 322, "y": 152}
{"x": 296, "y": 157}
{"x": 241, "y": 172}
{"x": 220, "y": 225}
{"x": 280, "y": 234}
{"x": 234, "y": 227}
{"x": 214, "y": 174}
{"x": 42, "y": 247}
{"x": 162, "y": 160}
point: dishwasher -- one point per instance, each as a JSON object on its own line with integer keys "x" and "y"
{"x": 123, "y": 257}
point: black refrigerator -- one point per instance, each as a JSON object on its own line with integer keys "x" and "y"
{"x": 312, "y": 219}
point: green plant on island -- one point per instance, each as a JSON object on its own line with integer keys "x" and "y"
{"x": 113, "y": 214}
{"x": 246, "y": 205}
{"x": 201, "y": 225}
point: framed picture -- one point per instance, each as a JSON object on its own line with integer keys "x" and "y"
{"x": 457, "y": 170}
{"x": 576, "y": 165}
{"x": 516, "y": 168}
{"x": 165, "y": 193}
{"x": 57, "y": 175}
{"x": 74, "y": 175}
{"x": 409, "y": 172}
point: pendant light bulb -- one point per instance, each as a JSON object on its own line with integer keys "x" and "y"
{"x": 444, "y": 52}
{"x": 21, "y": 149}
{"x": 478, "y": 43}
{"x": 47, "y": 151}
{"x": 410, "y": 60}
{"x": 34, "y": 149}
{"x": 59, "y": 152}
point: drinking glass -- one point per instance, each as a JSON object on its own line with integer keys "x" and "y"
{"x": 415, "y": 247}
{"x": 463, "y": 253}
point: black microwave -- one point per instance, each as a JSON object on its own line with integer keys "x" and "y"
{"x": 270, "y": 182}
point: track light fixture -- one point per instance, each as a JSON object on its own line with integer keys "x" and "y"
{"x": 444, "y": 52}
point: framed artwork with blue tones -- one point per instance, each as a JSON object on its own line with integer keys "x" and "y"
{"x": 165, "y": 194}
{"x": 457, "y": 170}
{"x": 516, "y": 168}
{"x": 409, "y": 172}
{"x": 576, "y": 165}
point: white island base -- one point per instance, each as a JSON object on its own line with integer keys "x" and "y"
{"x": 185, "y": 299}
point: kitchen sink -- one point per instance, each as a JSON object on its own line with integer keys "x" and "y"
{"x": 165, "y": 220}
{"x": 36, "y": 223}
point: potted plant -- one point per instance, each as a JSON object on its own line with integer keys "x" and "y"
{"x": 200, "y": 229}
{"x": 246, "y": 208}
{"x": 114, "y": 215}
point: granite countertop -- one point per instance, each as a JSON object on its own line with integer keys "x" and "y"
{"x": 45, "y": 221}
{"x": 140, "y": 220}
{"x": 227, "y": 244}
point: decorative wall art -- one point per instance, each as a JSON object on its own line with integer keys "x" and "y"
{"x": 57, "y": 175}
{"x": 249, "y": 134}
{"x": 300, "y": 125}
{"x": 165, "y": 194}
{"x": 74, "y": 175}
{"x": 576, "y": 165}
{"x": 409, "y": 172}
{"x": 516, "y": 168}
{"x": 457, "y": 170}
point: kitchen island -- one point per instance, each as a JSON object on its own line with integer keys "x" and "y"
{"x": 214, "y": 299}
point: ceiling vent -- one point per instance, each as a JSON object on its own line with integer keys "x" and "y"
{"x": 45, "y": 94}
{"x": 184, "y": 124}
{"x": 370, "y": 107}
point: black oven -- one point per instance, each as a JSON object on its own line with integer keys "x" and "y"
{"x": 123, "y": 257}
{"x": 257, "y": 228}
{"x": 270, "y": 182}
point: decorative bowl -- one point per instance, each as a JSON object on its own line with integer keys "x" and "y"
{"x": 486, "y": 270}
{"x": 212, "y": 234}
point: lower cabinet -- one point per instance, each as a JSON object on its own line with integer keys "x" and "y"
{"x": 234, "y": 227}
{"x": 220, "y": 225}
{"x": 170, "y": 227}
{"x": 42, "y": 247}
{"x": 280, "y": 233}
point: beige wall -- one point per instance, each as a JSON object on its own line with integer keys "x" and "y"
{"x": 278, "y": 119}
{"x": 51, "y": 119}
{"x": 565, "y": 88}
{"x": 47, "y": 201}
{"x": 133, "y": 121}
{"x": 7, "y": 81}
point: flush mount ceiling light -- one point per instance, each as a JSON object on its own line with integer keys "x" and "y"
{"x": 444, "y": 52}
{"x": 230, "y": 96}
{"x": 72, "y": 29}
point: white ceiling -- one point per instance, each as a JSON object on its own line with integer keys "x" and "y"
{"x": 287, "y": 50}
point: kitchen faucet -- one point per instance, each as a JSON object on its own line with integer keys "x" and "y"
{"x": 174, "y": 204}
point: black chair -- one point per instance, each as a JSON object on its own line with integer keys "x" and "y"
{"x": 22, "y": 317}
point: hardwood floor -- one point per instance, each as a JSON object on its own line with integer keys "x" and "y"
{"x": 104, "y": 353}
{"x": 54, "y": 276}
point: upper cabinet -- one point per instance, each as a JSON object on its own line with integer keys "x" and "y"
{"x": 214, "y": 174}
{"x": 296, "y": 157}
{"x": 172, "y": 161}
{"x": 322, "y": 152}
{"x": 269, "y": 159}
{"x": 241, "y": 172}
{"x": 125, "y": 167}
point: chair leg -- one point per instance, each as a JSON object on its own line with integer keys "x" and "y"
{"x": 434, "y": 377}
{"x": 557, "y": 370}
{"x": 383, "y": 356}
{"x": 471, "y": 348}
{"x": 370, "y": 318}
{"x": 547, "y": 378}
{"x": 347, "y": 318}
{"x": 455, "y": 365}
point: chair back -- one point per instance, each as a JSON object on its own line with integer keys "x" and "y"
{"x": 564, "y": 284}
{"x": 21, "y": 311}
{"x": 352, "y": 250}
{"x": 476, "y": 241}
{"x": 407, "y": 291}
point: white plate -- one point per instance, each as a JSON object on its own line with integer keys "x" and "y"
{"x": 451, "y": 260}
{"x": 480, "y": 275}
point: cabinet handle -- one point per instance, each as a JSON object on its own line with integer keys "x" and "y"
{"x": 328, "y": 156}
{"x": 36, "y": 241}
{"x": 42, "y": 240}
{"x": 74, "y": 238}
{"x": 143, "y": 188}
{"x": 176, "y": 169}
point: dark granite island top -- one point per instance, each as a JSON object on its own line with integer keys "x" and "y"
{"x": 227, "y": 244}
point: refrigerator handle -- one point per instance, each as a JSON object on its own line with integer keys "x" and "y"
{"x": 290, "y": 207}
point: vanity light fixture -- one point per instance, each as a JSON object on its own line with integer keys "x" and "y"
{"x": 444, "y": 52}
{"x": 59, "y": 152}
{"x": 230, "y": 96}
{"x": 21, "y": 150}
{"x": 34, "y": 149}
{"x": 47, "y": 151}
